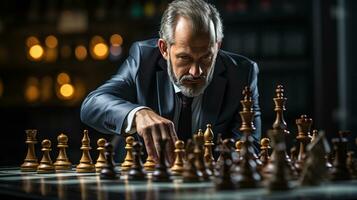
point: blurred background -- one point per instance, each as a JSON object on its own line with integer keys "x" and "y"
{"x": 54, "y": 52}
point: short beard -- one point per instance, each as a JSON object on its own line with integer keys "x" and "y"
{"x": 194, "y": 91}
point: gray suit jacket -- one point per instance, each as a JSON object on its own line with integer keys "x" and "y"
{"x": 142, "y": 80}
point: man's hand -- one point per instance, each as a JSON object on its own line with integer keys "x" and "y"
{"x": 151, "y": 127}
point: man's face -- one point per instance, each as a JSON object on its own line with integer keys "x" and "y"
{"x": 191, "y": 59}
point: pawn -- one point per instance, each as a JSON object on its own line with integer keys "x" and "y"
{"x": 149, "y": 165}
{"x": 136, "y": 171}
{"x": 224, "y": 181}
{"x": 62, "y": 161}
{"x": 190, "y": 172}
{"x": 264, "y": 153}
{"x": 31, "y": 162}
{"x": 101, "y": 161}
{"x": 46, "y": 165}
{"x": 177, "y": 167}
{"x": 108, "y": 170}
{"x": 85, "y": 164}
{"x": 339, "y": 171}
{"x": 238, "y": 149}
{"x": 128, "y": 160}
{"x": 161, "y": 173}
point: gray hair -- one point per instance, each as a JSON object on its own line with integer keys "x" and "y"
{"x": 199, "y": 12}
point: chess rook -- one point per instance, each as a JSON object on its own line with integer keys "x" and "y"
{"x": 31, "y": 162}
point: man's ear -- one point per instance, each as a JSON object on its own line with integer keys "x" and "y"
{"x": 163, "y": 48}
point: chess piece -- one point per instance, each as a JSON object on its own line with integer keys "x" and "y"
{"x": 128, "y": 160}
{"x": 190, "y": 172}
{"x": 177, "y": 167}
{"x": 101, "y": 161}
{"x": 62, "y": 161}
{"x": 248, "y": 176}
{"x": 279, "y": 101}
{"x": 264, "y": 153}
{"x": 161, "y": 173}
{"x": 304, "y": 125}
{"x": 108, "y": 169}
{"x": 199, "y": 157}
{"x": 136, "y": 171}
{"x": 85, "y": 164}
{"x": 46, "y": 165}
{"x": 351, "y": 164}
{"x": 279, "y": 180}
{"x": 239, "y": 144}
{"x": 149, "y": 165}
{"x": 224, "y": 181}
{"x": 200, "y": 132}
{"x": 293, "y": 155}
{"x": 314, "y": 135}
{"x": 315, "y": 171}
{"x": 31, "y": 163}
{"x": 208, "y": 154}
{"x": 339, "y": 170}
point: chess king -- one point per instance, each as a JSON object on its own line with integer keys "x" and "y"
{"x": 171, "y": 86}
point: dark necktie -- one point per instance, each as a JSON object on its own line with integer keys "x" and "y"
{"x": 185, "y": 120}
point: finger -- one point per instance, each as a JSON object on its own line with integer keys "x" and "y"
{"x": 149, "y": 144}
{"x": 169, "y": 145}
{"x": 156, "y": 136}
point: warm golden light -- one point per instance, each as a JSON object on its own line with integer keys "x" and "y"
{"x": 32, "y": 90}
{"x": 100, "y": 50}
{"x": 51, "y": 41}
{"x": 67, "y": 90}
{"x": 80, "y": 52}
{"x": 63, "y": 78}
{"x": 36, "y": 52}
{"x": 96, "y": 39}
{"x": 116, "y": 40}
{"x": 31, "y": 41}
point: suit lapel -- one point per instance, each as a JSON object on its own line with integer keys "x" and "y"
{"x": 165, "y": 91}
{"x": 213, "y": 96}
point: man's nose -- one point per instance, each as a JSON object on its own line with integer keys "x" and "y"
{"x": 195, "y": 70}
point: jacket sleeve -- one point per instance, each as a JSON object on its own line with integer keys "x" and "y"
{"x": 106, "y": 108}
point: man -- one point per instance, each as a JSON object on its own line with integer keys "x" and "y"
{"x": 172, "y": 86}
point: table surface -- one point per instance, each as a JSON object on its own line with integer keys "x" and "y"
{"x": 87, "y": 186}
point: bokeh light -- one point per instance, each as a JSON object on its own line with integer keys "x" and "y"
{"x": 51, "y": 41}
{"x": 36, "y": 52}
{"x": 80, "y": 52}
{"x": 63, "y": 78}
{"x": 32, "y": 90}
{"x": 116, "y": 40}
{"x": 31, "y": 41}
{"x": 67, "y": 91}
{"x": 100, "y": 50}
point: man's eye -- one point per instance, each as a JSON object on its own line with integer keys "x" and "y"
{"x": 184, "y": 57}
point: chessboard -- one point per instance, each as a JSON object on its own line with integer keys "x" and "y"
{"x": 87, "y": 186}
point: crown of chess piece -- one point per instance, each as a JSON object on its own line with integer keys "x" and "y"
{"x": 62, "y": 161}
{"x": 304, "y": 125}
{"x": 101, "y": 161}
{"x": 46, "y": 165}
{"x": 264, "y": 153}
{"x": 136, "y": 171}
{"x": 128, "y": 160}
{"x": 199, "y": 157}
{"x": 108, "y": 170}
{"x": 161, "y": 173}
{"x": 85, "y": 164}
{"x": 208, "y": 154}
{"x": 315, "y": 170}
{"x": 177, "y": 167}
{"x": 31, "y": 163}
{"x": 190, "y": 172}
{"x": 339, "y": 171}
{"x": 278, "y": 180}
{"x": 248, "y": 176}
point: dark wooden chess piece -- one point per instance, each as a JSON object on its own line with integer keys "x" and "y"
{"x": 351, "y": 164}
{"x": 62, "y": 161}
{"x": 199, "y": 157}
{"x": 161, "y": 172}
{"x": 190, "y": 172}
{"x": 304, "y": 126}
{"x": 31, "y": 163}
{"x": 264, "y": 153}
{"x": 108, "y": 170}
{"x": 315, "y": 170}
{"x": 279, "y": 178}
{"x": 136, "y": 171}
{"x": 224, "y": 181}
{"x": 339, "y": 170}
{"x": 248, "y": 176}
